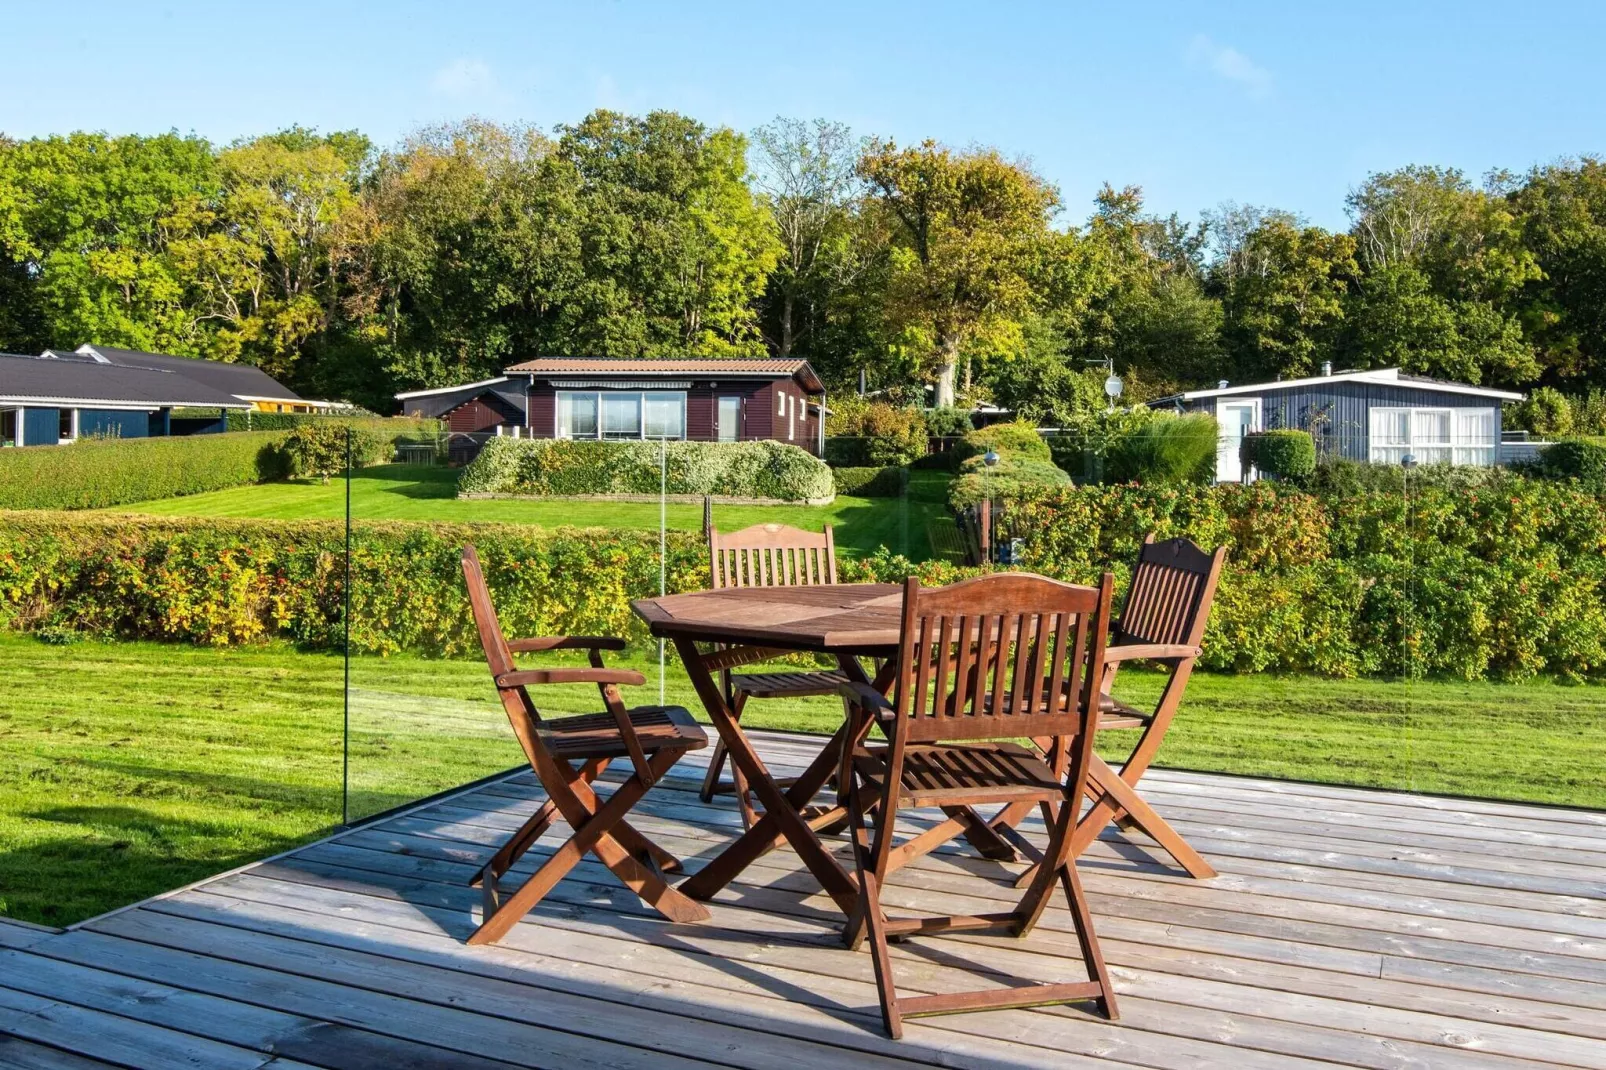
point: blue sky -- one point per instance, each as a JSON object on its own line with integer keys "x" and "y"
{"x": 1277, "y": 104}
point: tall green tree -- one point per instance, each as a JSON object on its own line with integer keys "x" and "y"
{"x": 1444, "y": 268}
{"x": 968, "y": 230}
{"x": 1284, "y": 302}
{"x": 676, "y": 246}
{"x": 1562, "y": 213}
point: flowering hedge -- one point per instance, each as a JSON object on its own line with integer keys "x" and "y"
{"x": 1505, "y": 580}
{"x": 222, "y": 582}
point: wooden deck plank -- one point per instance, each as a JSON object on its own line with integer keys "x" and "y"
{"x": 18, "y": 1054}
{"x": 1348, "y": 927}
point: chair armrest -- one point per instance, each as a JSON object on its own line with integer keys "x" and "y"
{"x": 565, "y": 642}
{"x": 1149, "y": 651}
{"x": 520, "y": 677}
{"x": 866, "y": 698}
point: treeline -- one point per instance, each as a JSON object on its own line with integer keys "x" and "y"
{"x": 353, "y": 272}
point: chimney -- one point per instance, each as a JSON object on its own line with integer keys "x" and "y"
{"x": 1221, "y": 384}
{"x": 1327, "y": 367}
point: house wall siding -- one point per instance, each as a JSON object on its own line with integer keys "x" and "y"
{"x": 113, "y": 423}
{"x": 41, "y": 427}
{"x": 1348, "y": 405}
{"x": 484, "y": 413}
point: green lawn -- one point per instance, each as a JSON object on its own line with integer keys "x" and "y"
{"x": 129, "y": 769}
{"x": 403, "y": 492}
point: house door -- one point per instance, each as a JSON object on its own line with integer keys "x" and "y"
{"x": 1236, "y": 419}
{"x": 730, "y": 415}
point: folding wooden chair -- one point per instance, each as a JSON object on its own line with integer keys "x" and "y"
{"x": 1038, "y": 643}
{"x": 766, "y": 555}
{"x": 652, "y": 737}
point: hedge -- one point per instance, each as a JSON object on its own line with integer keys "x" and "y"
{"x": 1010, "y": 477}
{"x": 392, "y": 427}
{"x": 1287, "y": 453}
{"x": 1018, "y": 439}
{"x": 221, "y": 582}
{"x": 889, "y": 482}
{"x": 95, "y": 474}
{"x": 1507, "y": 580}
{"x": 543, "y": 467}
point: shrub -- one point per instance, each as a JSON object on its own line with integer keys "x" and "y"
{"x": 871, "y": 482}
{"x": 97, "y": 474}
{"x": 221, "y": 582}
{"x": 1011, "y": 477}
{"x": 553, "y": 467}
{"x": 1576, "y": 458}
{"x": 1283, "y": 454}
{"x": 1018, "y": 439}
{"x": 323, "y": 449}
{"x": 948, "y": 422}
{"x": 1167, "y": 450}
{"x": 1546, "y": 412}
{"x": 874, "y": 433}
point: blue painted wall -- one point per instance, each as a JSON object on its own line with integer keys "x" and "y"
{"x": 112, "y": 423}
{"x": 41, "y": 427}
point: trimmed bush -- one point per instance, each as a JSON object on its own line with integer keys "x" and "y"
{"x": 1018, "y": 439}
{"x": 1576, "y": 458}
{"x": 1283, "y": 454}
{"x": 1011, "y": 477}
{"x": 97, "y": 474}
{"x": 871, "y": 482}
{"x": 222, "y": 582}
{"x": 321, "y": 450}
{"x": 564, "y": 467}
{"x": 948, "y": 422}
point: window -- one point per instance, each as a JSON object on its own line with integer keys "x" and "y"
{"x": 577, "y": 415}
{"x": 730, "y": 418}
{"x": 1433, "y": 436}
{"x": 621, "y": 414}
{"x": 68, "y": 425}
{"x": 780, "y": 398}
{"x": 10, "y": 421}
{"x": 665, "y": 414}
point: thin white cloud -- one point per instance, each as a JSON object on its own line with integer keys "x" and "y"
{"x": 465, "y": 80}
{"x": 1229, "y": 64}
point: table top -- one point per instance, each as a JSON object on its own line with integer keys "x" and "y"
{"x": 837, "y": 617}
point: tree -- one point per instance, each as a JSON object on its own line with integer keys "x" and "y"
{"x": 967, "y": 231}
{"x": 807, "y": 175}
{"x": 1282, "y": 311}
{"x": 675, "y": 246}
{"x": 1444, "y": 267}
{"x": 1562, "y": 212}
{"x": 266, "y": 254}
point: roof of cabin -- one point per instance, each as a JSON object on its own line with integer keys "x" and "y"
{"x": 79, "y": 381}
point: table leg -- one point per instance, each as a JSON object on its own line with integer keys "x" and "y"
{"x": 782, "y": 811}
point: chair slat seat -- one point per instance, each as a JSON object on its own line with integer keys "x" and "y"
{"x": 1113, "y": 713}
{"x": 802, "y": 684}
{"x": 596, "y": 735}
{"x": 953, "y": 775}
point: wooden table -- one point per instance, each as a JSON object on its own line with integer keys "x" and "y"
{"x": 846, "y": 621}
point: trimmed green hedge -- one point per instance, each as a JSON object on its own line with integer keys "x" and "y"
{"x": 1010, "y": 477}
{"x": 221, "y": 582}
{"x": 544, "y": 467}
{"x": 1283, "y": 454}
{"x": 94, "y": 474}
{"x": 890, "y": 482}
{"x": 1018, "y": 439}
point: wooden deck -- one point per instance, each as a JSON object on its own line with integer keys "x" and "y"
{"x": 1348, "y": 927}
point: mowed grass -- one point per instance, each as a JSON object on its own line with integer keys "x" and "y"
{"x": 130, "y": 769}
{"x": 409, "y": 492}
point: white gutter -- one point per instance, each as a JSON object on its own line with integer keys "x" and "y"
{"x": 449, "y": 389}
{"x": 1379, "y": 377}
{"x": 117, "y": 406}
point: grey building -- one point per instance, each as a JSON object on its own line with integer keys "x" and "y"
{"x": 1382, "y": 416}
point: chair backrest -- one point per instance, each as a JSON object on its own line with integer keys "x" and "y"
{"x": 771, "y": 555}
{"x": 1172, "y": 589}
{"x": 958, "y": 680}
{"x": 497, "y": 654}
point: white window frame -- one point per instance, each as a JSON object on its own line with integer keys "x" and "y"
{"x": 1456, "y": 448}
{"x": 640, "y": 396}
{"x": 736, "y": 424}
{"x": 72, "y": 427}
